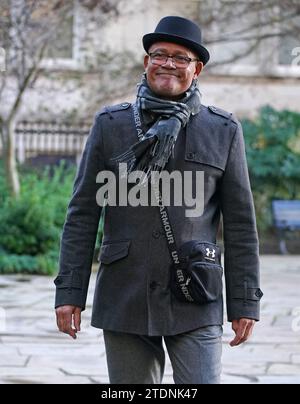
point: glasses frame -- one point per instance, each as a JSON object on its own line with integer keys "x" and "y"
{"x": 188, "y": 59}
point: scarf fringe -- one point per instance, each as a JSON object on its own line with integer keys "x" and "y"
{"x": 125, "y": 157}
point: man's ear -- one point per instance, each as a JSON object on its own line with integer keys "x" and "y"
{"x": 146, "y": 61}
{"x": 198, "y": 69}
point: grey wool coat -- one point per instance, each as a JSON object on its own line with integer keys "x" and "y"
{"x": 133, "y": 282}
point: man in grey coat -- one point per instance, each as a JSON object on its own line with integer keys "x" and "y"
{"x": 167, "y": 129}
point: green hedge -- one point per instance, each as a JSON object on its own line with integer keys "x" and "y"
{"x": 28, "y": 264}
{"x": 30, "y": 226}
{"x": 273, "y": 152}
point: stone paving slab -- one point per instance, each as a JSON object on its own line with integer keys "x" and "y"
{"x": 48, "y": 379}
{"x": 33, "y": 352}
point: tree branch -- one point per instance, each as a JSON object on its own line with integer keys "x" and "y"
{"x": 31, "y": 73}
{"x": 235, "y": 57}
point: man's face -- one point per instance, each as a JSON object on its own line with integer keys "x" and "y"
{"x": 167, "y": 80}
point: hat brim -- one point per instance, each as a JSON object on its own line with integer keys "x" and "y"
{"x": 201, "y": 51}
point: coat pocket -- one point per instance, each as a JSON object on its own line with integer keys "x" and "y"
{"x": 214, "y": 162}
{"x": 114, "y": 251}
{"x": 206, "y": 282}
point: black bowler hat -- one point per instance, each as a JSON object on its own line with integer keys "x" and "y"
{"x": 181, "y": 31}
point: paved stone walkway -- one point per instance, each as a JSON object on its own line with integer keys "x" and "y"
{"x": 32, "y": 351}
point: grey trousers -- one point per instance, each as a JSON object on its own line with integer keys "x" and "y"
{"x": 135, "y": 359}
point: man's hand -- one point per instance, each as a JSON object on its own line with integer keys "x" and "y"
{"x": 68, "y": 320}
{"x": 243, "y": 329}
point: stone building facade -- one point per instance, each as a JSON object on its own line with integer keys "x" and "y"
{"x": 105, "y": 61}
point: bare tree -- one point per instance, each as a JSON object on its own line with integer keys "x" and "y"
{"x": 106, "y": 6}
{"x": 28, "y": 29}
{"x": 251, "y": 22}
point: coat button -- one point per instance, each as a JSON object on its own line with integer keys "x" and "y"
{"x": 259, "y": 294}
{"x": 156, "y": 234}
{"x": 153, "y": 285}
{"x": 190, "y": 156}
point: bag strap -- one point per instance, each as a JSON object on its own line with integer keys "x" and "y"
{"x": 165, "y": 219}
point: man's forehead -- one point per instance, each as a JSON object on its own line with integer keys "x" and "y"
{"x": 170, "y": 47}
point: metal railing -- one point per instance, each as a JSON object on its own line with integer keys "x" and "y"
{"x": 49, "y": 138}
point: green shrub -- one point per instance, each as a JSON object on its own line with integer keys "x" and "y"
{"x": 26, "y": 227}
{"x": 34, "y": 265}
{"x": 273, "y": 152}
{"x": 30, "y": 226}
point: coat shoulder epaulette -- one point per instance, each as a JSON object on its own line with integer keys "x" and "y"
{"x": 222, "y": 113}
{"x": 114, "y": 108}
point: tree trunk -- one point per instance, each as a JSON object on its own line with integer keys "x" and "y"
{"x": 10, "y": 164}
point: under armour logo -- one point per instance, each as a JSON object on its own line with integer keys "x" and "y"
{"x": 210, "y": 253}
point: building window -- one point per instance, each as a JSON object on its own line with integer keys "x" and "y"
{"x": 252, "y": 37}
{"x": 61, "y": 46}
{"x": 289, "y": 42}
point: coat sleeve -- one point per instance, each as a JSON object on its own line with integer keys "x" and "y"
{"x": 242, "y": 276}
{"x": 81, "y": 226}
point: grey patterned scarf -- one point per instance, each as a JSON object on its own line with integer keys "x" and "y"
{"x": 156, "y": 146}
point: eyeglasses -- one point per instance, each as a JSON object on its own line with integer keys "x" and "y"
{"x": 182, "y": 62}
